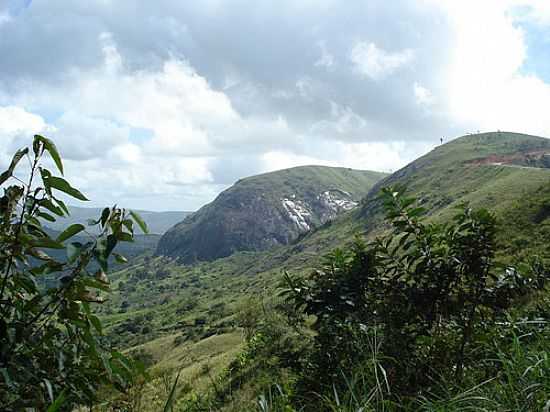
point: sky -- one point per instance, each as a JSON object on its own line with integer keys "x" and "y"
{"x": 161, "y": 105}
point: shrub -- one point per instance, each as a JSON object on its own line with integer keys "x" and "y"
{"x": 430, "y": 291}
{"x": 50, "y": 352}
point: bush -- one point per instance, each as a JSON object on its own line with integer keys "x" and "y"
{"x": 50, "y": 352}
{"x": 431, "y": 292}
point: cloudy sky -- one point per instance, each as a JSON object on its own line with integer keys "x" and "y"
{"x": 162, "y": 104}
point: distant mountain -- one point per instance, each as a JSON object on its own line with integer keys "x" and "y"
{"x": 158, "y": 222}
{"x": 267, "y": 210}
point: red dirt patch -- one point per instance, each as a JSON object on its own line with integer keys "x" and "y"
{"x": 513, "y": 159}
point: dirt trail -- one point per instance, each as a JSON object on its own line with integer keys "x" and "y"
{"x": 518, "y": 166}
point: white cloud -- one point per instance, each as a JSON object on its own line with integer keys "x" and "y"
{"x": 189, "y": 123}
{"x": 85, "y": 137}
{"x": 112, "y": 59}
{"x": 276, "y": 160}
{"x": 422, "y": 95}
{"x": 344, "y": 124}
{"x": 536, "y": 11}
{"x": 386, "y": 157}
{"x": 16, "y": 128}
{"x": 486, "y": 86}
{"x": 15, "y": 120}
{"x": 377, "y": 63}
{"x": 326, "y": 59}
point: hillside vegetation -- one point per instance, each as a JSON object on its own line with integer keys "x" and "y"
{"x": 260, "y": 212}
{"x": 161, "y": 299}
{"x": 433, "y": 297}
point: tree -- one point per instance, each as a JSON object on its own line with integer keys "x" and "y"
{"x": 428, "y": 291}
{"x": 50, "y": 347}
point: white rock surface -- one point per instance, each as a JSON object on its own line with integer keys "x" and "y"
{"x": 336, "y": 202}
{"x": 298, "y": 213}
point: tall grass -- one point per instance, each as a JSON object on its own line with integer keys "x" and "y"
{"x": 520, "y": 381}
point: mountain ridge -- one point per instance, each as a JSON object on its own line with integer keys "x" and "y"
{"x": 157, "y": 222}
{"x": 266, "y": 210}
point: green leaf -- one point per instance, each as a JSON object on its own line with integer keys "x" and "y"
{"x": 129, "y": 224}
{"x": 46, "y": 175}
{"x": 47, "y": 204}
{"x": 6, "y": 377}
{"x": 64, "y": 186}
{"x": 119, "y": 258}
{"x": 141, "y": 223}
{"x": 96, "y": 283}
{"x": 70, "y": 232}
{"x": 47, "y": 243}
{"x": 49, "y": 389}
{"x": 46, "y": 216}
{"x": 16, "y": 158}
{"x": 110, "y": 245}
{"x": 170, "y": 401}
{"x": 38, "y": 254}
{"x": 105, "y": 216}
{"x": 125, "y": 237}
{"x": 56, "y": 405}
{"x": 96, "y": 323}
{"x": 62, "y": 205}
{"x": 52, "y": 150}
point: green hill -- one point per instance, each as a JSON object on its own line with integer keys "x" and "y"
{"x": 158, "y": 302}
{"x": 267, "y": 210}
{"x": 507, "y": 173}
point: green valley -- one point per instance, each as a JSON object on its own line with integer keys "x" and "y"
{"x": 161, "y": 307}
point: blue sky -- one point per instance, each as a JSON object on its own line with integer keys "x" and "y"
{"x": 161, "y": 105}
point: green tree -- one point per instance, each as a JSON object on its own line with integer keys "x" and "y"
{"x": 50, "y": 347}
{"x": 428, "y": 291}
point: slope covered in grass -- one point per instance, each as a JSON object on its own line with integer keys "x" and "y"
{"x": 159, "y": 298}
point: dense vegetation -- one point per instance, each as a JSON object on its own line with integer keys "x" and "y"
{"x": 433, "y": 303}
{"x": 167, "y": 297}
{"x": 422, "y": 318}
{"x": 51, "y": 354}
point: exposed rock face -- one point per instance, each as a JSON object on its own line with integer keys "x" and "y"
{"x": 324, "y": 207}
{"x": 267, "y": 210}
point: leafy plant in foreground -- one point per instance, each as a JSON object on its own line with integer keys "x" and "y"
{"x": 430, "y": 291}
{"x": 50, "y": 350}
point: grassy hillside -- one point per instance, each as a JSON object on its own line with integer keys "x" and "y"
{"x": 499, "y": 171}
{"x": 267, "y": 210}
{"x": 158, "y": 300}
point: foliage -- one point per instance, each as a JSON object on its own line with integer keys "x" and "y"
{"x": 50, "y": 340}
{"x": 440, "y": 181}
{"x": 431, "y": 292}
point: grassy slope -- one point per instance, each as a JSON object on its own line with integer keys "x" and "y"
{"x": 213, "y": 292}
{"x": 248, "y": 215}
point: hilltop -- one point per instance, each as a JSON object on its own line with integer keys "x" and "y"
{"x": 267, "y": 210}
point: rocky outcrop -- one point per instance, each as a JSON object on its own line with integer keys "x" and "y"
{"x": 267, "y": 210}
